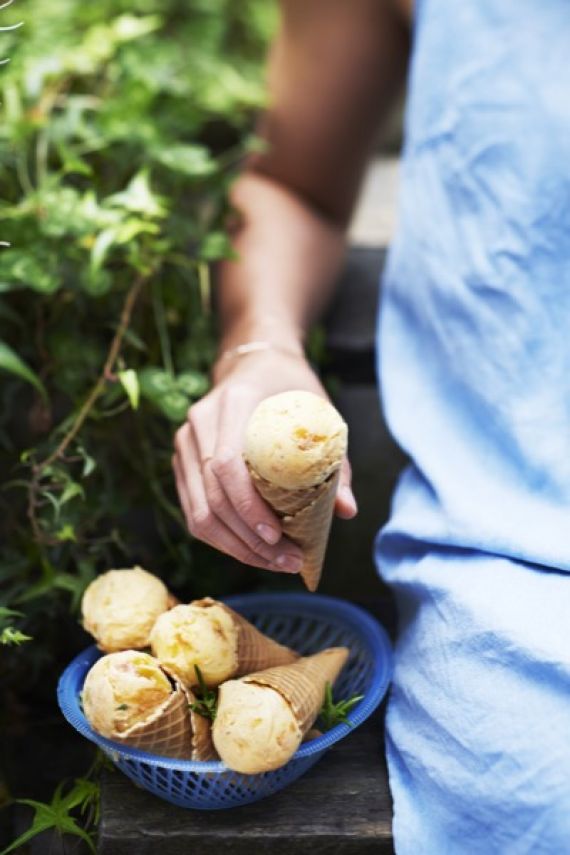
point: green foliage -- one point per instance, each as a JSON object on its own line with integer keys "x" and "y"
{"x": 81, "y": 799}
{"x": 11, "y": 362}
{"x": 333, "y": 713}
{"x": 206, "y": 699}
{"x": 8, "y": 633}
{"x": 121, "y": 125}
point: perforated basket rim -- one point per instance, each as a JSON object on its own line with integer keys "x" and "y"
{"x": 313, "y": 605}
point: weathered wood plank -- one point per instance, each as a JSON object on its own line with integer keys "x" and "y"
{"x": 340, "y": 807}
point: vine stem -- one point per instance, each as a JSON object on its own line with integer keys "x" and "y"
{"x": 89, "y": 403}
{"x": 114, "y": 350}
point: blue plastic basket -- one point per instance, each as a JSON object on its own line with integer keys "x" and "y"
{"x": 307, "y": 623}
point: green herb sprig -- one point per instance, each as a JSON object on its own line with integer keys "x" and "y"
{"x": 206, "y": 699}
{"x": 333, "y": 713}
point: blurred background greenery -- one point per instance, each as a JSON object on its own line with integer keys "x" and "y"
{"x": 122, "y": 123}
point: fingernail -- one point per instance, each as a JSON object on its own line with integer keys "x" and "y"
{"x": 289, "y": 563}
{"x": 348, "y": 497}
{"x": 269, "y": 534}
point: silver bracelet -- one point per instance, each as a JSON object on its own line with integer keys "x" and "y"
{"x": 254, "y": 346}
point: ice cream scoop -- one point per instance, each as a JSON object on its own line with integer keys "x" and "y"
{"x": 295, "y": 440}
{"x": 127, "y": 697}
{"x": 261, "y": 719}
{"x": 123, "y": 689}
{"x": 294, "y": 446}
{"x": 255, "y": 727}
{"x": 120, "y": 607}
{"x": 210, "y": 635}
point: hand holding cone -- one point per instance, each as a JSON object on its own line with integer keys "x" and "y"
{"x": 294, "y": 446}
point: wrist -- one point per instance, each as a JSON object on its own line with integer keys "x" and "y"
{"x": 271, "y": 328}
{"x": 230, "y": 359}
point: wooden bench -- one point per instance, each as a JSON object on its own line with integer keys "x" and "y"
{"x": 341, "y": 806}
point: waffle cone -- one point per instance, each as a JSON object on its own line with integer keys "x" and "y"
{"x": 311, "y": 734}
{"x": 172, "y": 601}
{"x": 167, "y": 731}
{"x": 255, "y": 651}
{"x": 303, "y": 683}
{"x": 306, "y": 517}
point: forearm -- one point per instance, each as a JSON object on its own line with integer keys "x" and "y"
{"x": 333, "y": 72}
{"x": 288, "y": 258}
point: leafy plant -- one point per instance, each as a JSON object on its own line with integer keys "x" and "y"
{"x": 81, "y": 799}
{"x": 333, "y": 713}
{"x": 8, "y": 633}
{"x": 121, "y": 125}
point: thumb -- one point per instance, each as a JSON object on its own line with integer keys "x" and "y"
{"x": 345, "y": 505}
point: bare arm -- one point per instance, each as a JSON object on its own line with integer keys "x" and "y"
{"x": 333, "y": 72}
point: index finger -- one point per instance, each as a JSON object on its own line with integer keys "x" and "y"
{"x": 229, "y": 467}
{"x": 231, "y": 471}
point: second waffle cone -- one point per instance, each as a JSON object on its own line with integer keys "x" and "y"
{"x": 303, "y": 683}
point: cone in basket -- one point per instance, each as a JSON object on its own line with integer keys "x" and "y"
{"x": 127, "y": 697}
{"x": 210, "y": 635}
{"x": 303, "y": 683}
{"x": 294, "y": 446}
{"x": 261, "y": 719}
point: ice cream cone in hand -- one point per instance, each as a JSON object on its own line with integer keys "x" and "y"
{"x": 127, "y": 697}
{"x": 120, "y": 607}
{"x": 261, "y": 719}
{"x": 210, "y": 635}
{"x": 294, "y": 446}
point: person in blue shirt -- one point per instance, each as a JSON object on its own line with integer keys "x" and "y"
{"x": 474, "y": 370}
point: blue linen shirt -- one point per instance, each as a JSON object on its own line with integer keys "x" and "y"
{"x": 474, "y": 368}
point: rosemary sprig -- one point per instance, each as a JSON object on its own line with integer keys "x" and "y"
{"x": 206, "y": 699}
{"x": 333, "y": 713}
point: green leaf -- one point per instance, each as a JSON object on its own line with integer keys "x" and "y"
{"x": 174, "y": 405}
{"x": 101, "y": 247}
{"x": 155, "y": 383}
{"x": 206, "y": 703}
{"x": 193, "y": 161}
{"x": 56, "y": 814}
{"x": 138, "y": 197}
{"x": 72, "y": 489}
{"x": 128, "y": 27}
{"x": 66, "y": 532}
{"x": 193, "y": 383}
{"x": 333, "y": 713}
{"x": 29, "y": 269}
{"x": 10, "y": 636}
{"x": 96, "y": 281}
{"x": 40, "y": 823}
{"x": 11, "y": 362}
{"x": 130, "y": 383}
{"x": 89, "y": 464}
{"x": 8, "y": 613}
{"x": 215, "y": 246}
